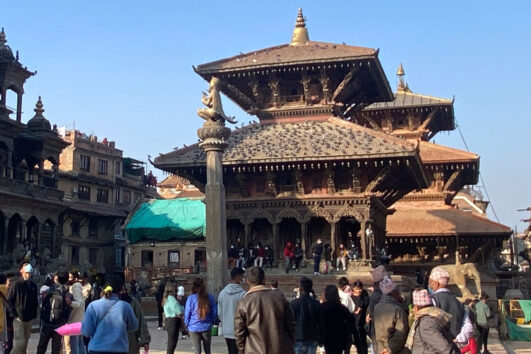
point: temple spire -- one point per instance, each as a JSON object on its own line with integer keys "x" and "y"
{"x": 300, "y": 33}
{"x": 39, "y": 107}
{"x": 3, "y": 39}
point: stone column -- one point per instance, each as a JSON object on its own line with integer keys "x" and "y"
{"x": 363, "y": 240}
{"x": 19, "y": 107}
{"x": 40, "y": 172}
{"x": 214, "y": 136}
{"x": 247, "y": 234}
{"x": 9, "y": 164}
{"x": 304, "y": 238}
{"x": 278, "y": 251}
{"x": 333, "y": 236}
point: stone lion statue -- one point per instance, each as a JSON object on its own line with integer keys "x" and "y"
{"x": 212, "y": 100}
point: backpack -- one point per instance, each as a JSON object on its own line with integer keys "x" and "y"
{"x": 54, "y": 307}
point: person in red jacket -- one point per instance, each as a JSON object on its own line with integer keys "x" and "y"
{"x": 260, "y": 254}
{"x": 288, "y": 255}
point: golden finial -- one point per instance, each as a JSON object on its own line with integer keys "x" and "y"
{"x": 402, "y": 87}
{"x": 3, "y": 39}
{"x": 39, "y": 107}
{"x": 300, "y": 33}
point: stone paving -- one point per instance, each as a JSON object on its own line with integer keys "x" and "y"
{"x": 159, "y": 339}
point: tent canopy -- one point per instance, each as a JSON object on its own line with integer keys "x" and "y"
{"x": 165, "y": 220}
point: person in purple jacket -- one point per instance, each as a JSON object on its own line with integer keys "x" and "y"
{"x": 199, "y": 315}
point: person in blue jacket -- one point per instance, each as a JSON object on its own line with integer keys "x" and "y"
{"x": 200, "y": 313}
{"x": 108, "y": 320}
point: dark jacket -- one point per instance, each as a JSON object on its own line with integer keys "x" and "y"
{"x": 391, "y": 326}
{"x": 23, "y": 300}
{"x": 447, "y": 302}
{"x": 264, "y": 322}
{"x": 307, "y": 313}
{"x": 361, "y": 302}
{"x": 373, "y": 300}
{"x": 317, "y": 249}
{"x": 337, "y": 326}
{"x": 328, "y": 254}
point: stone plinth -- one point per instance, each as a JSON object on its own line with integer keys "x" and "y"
{"x": 214, "y": 136}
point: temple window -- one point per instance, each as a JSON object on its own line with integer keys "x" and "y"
{"x": 117, "y": 195}
{"x": 93, "y": 228}
{"x": 174, "y": 258}
{"x": 74, "y": 227}
{"x": 74, "y": 256}
{"x": 260, "y": 184}
{"x": 127, "y": 197}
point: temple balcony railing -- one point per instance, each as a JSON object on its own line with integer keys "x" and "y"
{"x": 30, "y": 189}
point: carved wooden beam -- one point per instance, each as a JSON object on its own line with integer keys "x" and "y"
{"x": 343, "y": 85}
{"x": 429, "y": 118}
{"x": 233, "y": 92}
{"x": 371, "y": 122}
{"x": 453, "y": 182}
{"x": 378, "y": 180}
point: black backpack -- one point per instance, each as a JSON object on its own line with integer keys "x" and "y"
{"x": 54, "y": 307}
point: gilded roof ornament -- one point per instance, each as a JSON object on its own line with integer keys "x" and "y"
{"x": 300, "y": 33}
{"x": 402, "y": 86}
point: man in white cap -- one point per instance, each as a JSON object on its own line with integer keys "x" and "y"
{"x": 445, "y": 300}
{"x": 430, "y": 331}
{"x": 23, "y": 301}
{"x": 391, "y": 325}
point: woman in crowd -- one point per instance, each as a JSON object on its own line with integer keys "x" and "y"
{"x": 173, "y": 313}
{"x": 199, "y": 315}
{"x": 361, "y": 300}
{"x": 108, "y": 320}
{"x": 337, "y": 322}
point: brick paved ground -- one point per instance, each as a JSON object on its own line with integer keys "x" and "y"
{"x": 158, "y": 344}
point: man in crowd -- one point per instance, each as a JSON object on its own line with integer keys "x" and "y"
{"x": 345, "y": 294}
{"x": 307, "y": 311}
{"x": 264, "y": 321}
{"x": 482, "y": 315}
{"x": 391, "y": 325}
{"x": 317, "y": 251}
{"x": 54, "y": 313}
{"x": 445, "y": 300}
{"x": 227, "y": 302}
{"x": 22, "y": 300}
{"x": 74, "y": 344}
{"x": 377, "y": 274}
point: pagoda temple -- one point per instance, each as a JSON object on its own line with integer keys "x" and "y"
{"x": 335, "y": 154}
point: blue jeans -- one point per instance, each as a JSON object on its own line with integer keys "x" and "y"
{"x": 305, "y": 347}
{"x": 76, "y": 345}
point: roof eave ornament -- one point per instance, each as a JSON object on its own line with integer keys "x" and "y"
{"x": 300, "y": 33}
{"x": 3, "y": 39}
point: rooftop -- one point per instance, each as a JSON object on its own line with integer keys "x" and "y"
{"x": 431, "y": 153}
{"x": 438, "y": 219}
{"x": 331, "y": 139}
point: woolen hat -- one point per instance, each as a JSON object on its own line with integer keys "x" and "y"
{"x": 387, "y": 285}
{"x": 440, "y": 275}
{"x": 421, "y": 298}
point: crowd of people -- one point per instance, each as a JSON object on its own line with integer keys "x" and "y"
{"x": 260, "y": 319}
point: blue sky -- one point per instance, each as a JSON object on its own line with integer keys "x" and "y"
{"x": 123, "y": 69}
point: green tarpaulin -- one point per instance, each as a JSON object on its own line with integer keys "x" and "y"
{"x": 526, "y": 307}
{"x": 517, "y": 332}
{"x": 164, "y": 220}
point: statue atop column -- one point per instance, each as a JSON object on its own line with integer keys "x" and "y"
{"x": 212, "y": 100}
{"x": 215, "y": 135}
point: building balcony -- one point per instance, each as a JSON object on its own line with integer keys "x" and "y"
{"x": 31, "y": 190}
